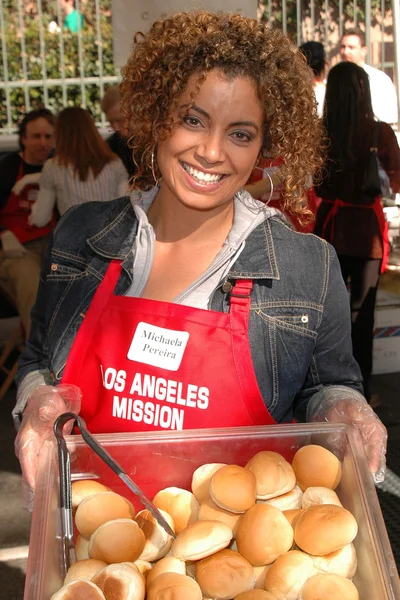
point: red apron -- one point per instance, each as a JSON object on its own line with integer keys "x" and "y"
{"x": 14, "y": 216}
{"x": 376, "y": 206}
{"x": 145, "y": 365}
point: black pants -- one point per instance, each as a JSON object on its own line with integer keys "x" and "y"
{"x": 363, "y": 274}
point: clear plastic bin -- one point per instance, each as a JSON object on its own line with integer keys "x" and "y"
{"x": 163, "y": 459}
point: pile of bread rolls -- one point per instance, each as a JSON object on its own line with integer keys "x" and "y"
{"x": 270, "y": 530}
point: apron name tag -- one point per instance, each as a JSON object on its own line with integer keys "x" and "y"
{"x": 158, "y": 347}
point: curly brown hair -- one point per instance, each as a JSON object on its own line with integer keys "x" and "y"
{"x": 189, "y": 43}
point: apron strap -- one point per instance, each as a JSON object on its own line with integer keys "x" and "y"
{"x": 97, "y": 305}
{"x": 240, "y": 301}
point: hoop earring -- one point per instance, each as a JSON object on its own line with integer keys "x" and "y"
{"x": 152, "y": 168}
{"x": 271, "y": 190}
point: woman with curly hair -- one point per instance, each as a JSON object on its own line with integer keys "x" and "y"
{"x": 190, "y": 304}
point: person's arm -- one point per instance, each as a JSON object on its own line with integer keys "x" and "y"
{"x": 42, "y": 209}
{"x": 122, "y": 178}
{"x": 389, "y": 155}
{"x": 333, "y": 390}
{"x": 8, "y": 174}
{"x": 33, "y": 368}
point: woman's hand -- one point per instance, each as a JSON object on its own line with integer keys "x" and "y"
{"x": 373, "y": 432}
{"x": 44, "y": 406}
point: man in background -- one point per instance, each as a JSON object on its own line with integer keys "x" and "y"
{"x": 110, "y": 105}
{"x": 383, "y": 92}
{"x": 22, "y": 246}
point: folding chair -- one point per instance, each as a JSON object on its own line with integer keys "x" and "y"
{"x": 14, "y": 342}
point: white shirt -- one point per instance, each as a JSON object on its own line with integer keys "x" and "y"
{"x": 60, "y": 185}
{"x": 383, "y": 95}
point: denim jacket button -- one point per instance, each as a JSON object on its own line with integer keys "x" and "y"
{"x": 304, "y": 319}
{"x": 227, "y": 287}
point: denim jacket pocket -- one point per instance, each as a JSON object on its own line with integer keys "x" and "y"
{"x": 290, "y": 334}
{"x": 64, "y": 272}
{"x": 300, "y": 320}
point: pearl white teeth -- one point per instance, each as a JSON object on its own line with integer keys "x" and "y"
{"x": 200, "y": 175}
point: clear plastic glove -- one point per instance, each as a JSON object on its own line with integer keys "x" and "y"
{"x": 356, "y": 412}
{"x": 24, "y": 181}
{"x": 44, "y": 405}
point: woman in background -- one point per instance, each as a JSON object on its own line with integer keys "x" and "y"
{"x": 352, "y": 221}
{"x": 83, "y": 169}
{"x": 315, "y": 57}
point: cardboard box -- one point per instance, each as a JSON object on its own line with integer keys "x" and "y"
{"x": 386, "y": 346}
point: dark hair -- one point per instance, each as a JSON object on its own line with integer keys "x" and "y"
{"x": 79, "y": 144}
{"x": 315, "y": 56}
{"x": 196, "y": 43}
{"x": 347, "y": 108}
{"x": 357, "y": 32}
{"x": 33, "y": 115}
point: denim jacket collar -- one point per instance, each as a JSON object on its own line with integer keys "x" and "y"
{"x": 259, "y": 247}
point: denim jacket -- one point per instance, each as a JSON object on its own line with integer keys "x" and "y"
{"x": 299, "y": 325}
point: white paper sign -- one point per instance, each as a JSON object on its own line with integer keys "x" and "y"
{"x": 158, "y": 347}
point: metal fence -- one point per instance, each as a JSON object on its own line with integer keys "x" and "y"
{"x": 44, "y": 63}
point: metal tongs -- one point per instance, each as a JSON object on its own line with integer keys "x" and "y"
{"x": 64, "y": 461}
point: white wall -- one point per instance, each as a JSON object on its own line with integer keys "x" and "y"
{"x": 130, "y": 16}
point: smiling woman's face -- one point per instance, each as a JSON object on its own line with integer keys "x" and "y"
{"x": 214, "y": 146}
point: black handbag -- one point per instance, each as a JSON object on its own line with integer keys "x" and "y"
{"x": 375, "y": 181}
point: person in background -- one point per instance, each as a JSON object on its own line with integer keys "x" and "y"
{"x": 83, "y": 168}
{"x": 347, "y": 217}
{"x": 111, "y": 106}
{"x": 383, "y": 92}
{"x": 190, "y": 304}
{"x": 22, "y": 246}
{"x": 74, "y": 20}
{"x": 315, "y": 56}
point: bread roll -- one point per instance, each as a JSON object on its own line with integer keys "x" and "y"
{"x": 319, "y": 495}
{"x": 329, "y": 587}
{"x": 84, "y": 569}
{"x": 342, "y": 562}
{"x": 292, "y": 514}
{"x": 143, "y": 566}
{"x": 120, "y": 540}
{"x": 83, "y": 489}
{"x": 233, "y": 488}
{"x": 209, "y": 511}
{"x": 255, "y": 595}
{"x": 289, "y": 501}
{"x": 224, "y": 575}
{"x": 180, "y": 504}
{"x": 324, "y": 528}
{"x": 79, "y": 590}
{"x": 273, "y": 473}
{"x": 259, "y": 574}
{"x": 81, "y": 547}
{"x": 288, "y": 574}
{"x": 96, "y": 510}
{"x": 263, "y": 534}
{"x": 168, "y": 564}
{"x": 201, "y": 539}
{"x": 316, "y": 466}
{"x": 171, "y": 586}
{"x": 121, "y": 581}
{"x": 157, "y": 540}
{"x": 202, "y": 478}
